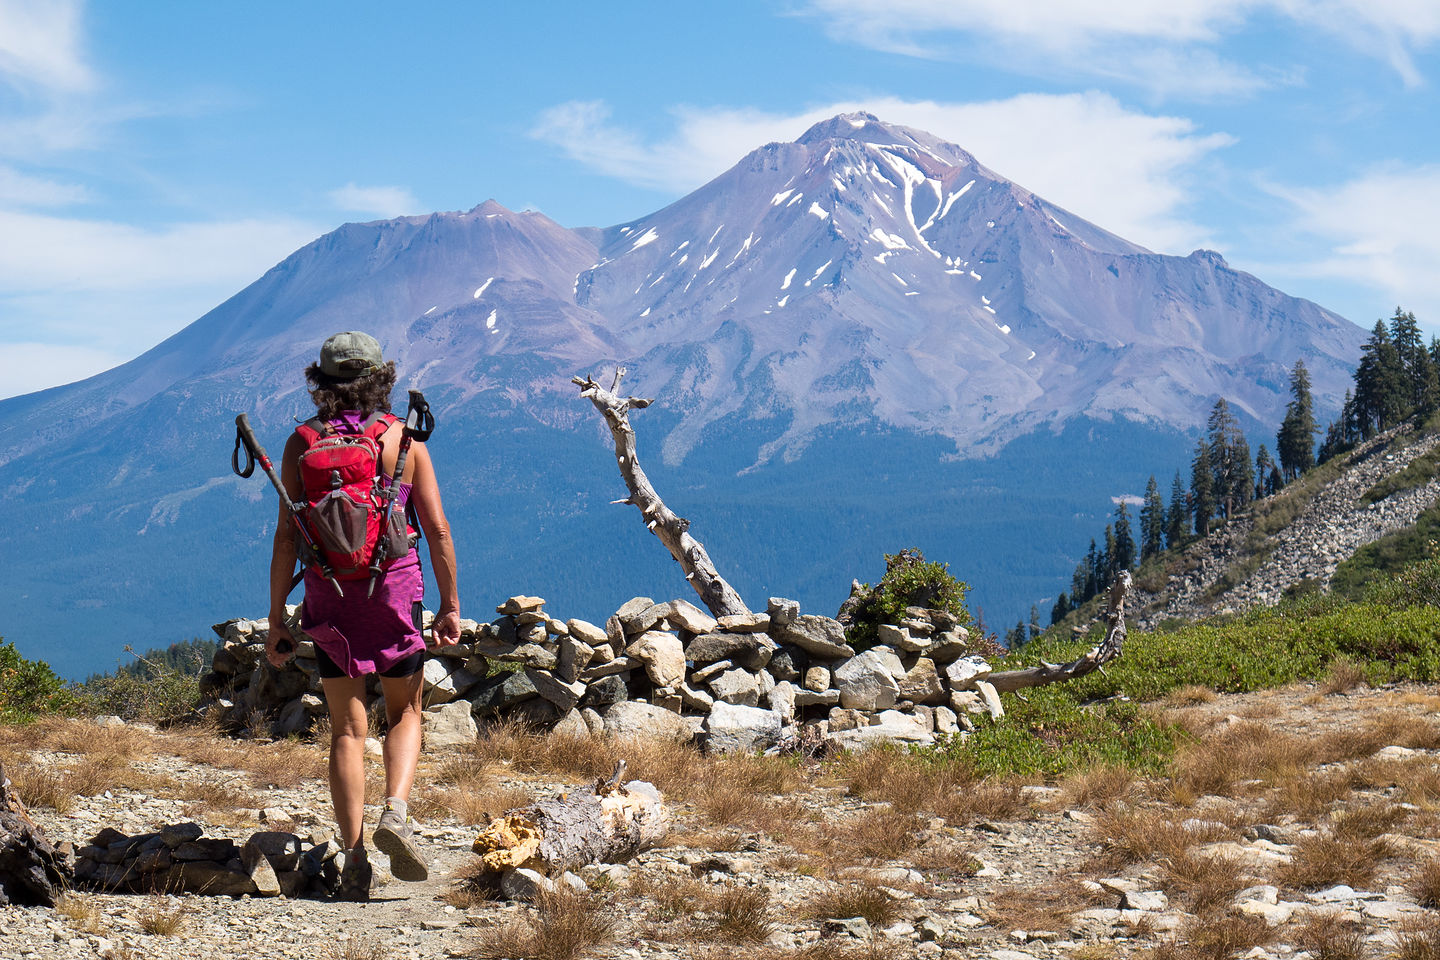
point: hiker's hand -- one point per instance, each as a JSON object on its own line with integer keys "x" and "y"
{"x": 445, "y": 628}
{"x": 278, "y": 638}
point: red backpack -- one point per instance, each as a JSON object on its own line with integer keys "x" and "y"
{"x": 345, "y": 496}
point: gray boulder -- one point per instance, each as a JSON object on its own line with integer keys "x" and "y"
{"x": 737, "y": 687}
{"x": 633, "y": 720}
{"x": 820, "y": 637}
{"x": 564, "y": 695}
{"x": 447, "y": 726}
{"x": 750, "y": 650}
{"x": 732, "y": 728}
{"x": 867, "y": 682}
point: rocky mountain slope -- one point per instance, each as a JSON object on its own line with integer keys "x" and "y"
{"x": 860, "y": 341}
{"x": 1299, "y": 537}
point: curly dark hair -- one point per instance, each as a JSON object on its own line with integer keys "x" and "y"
{"x": 366, "y": 394}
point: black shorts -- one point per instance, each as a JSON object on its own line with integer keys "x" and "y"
{"x": 330, "y": 670}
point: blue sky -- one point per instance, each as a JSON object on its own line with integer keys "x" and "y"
{"x": 157, "y": 157}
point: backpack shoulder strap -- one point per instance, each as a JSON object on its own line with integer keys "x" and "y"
{"x": 313, "y": 429}
{"x": 377, "y": 423}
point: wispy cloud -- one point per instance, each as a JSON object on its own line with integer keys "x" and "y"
{"x": 1380, "y": 232}
{"x": 1127, "y": 39}
{"x": 40, "y": 48}
{"x": 21, "y": 190}
{"x": 27, "y": 367}
{"x": 1127, "y": 170}
{"x": 382, "y": 202}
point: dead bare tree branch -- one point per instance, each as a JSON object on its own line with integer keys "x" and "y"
{"x": 1099, "y": 655}
{"x": 673, "y": 531}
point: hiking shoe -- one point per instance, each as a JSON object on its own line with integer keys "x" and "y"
{"x": 355, "y": 875}
{"x": 396, "y": 839}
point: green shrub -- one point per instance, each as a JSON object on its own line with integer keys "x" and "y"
{"x": 28, "y": 688}
{"x": 909, "y": 581}
{"x": 162, "y": 686}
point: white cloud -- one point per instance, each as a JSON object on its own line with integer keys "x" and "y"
{"x": 1129, "y": 172}
{"x": 1380, "y": 231}
{"x": 381, "y": 202}
{"x": 1106, "y": 39}
{"x": 41, "y": 252}
{"x": 40, "y": 45}
{"x": 22, "y": 190}
{"x": 27, "y": 367}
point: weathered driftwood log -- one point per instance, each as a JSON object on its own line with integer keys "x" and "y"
{"x": 1099, "y": 655}
{"x": 673, "y": 531}
{"x": 609, "y": 822}
{"x": 32, "y": 872}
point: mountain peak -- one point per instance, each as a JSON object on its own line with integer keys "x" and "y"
{"x": 863, "y": 127}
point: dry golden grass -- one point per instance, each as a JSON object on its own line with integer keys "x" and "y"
{"x": 1204, "y": 883}
{"x": 1342, "y": 676}
{"x": 471, "y": 807}
{"x": 740, "y": 915}
{"x": 355, "y": 948}
{"x": 564, "y": 925}
{"x": 1359, "y": 824}
{"x": 945, "y": 859}
{"x": 844, "y": 900}
{"x": 1418, "y": 939}
{"x": 41, "y": 787}
{"x": 1138, "y": 834}
{"x": 1190, "y": 695}
{"x": 1327, "y": 859}
{"x": 1046, "y": 906}
{"x": 1240, "y": 752}
{"x": 1327, "y": 936}
{"x": 1098, "y": 786}
{"x": 164, "y": 916}
{"x": 82, "y": 912}
{"x": 1216, "y": 938}
{"x": 831, "y": 949}
{"x": 914, "y": 785}
{"x": 1307, "y": 795}
{"x": 876, "y": 833}
{"x": 1425, "y": 883}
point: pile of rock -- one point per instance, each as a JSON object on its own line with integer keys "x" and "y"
{"x": 742, "y": 682}
{"x": 178, "y": 858}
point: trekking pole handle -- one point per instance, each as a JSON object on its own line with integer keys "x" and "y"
{"x": 254, "y": 452}
{"x": 419, "y": 422}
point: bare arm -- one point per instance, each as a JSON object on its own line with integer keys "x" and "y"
{"x": 282, "y": 556}
{"x": 425, "y": 494}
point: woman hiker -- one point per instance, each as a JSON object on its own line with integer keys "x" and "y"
{"x": 356, "y": 634}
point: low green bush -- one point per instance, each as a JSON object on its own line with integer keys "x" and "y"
{"x": 28, "y": 688}
{"x": 909, "y": 581}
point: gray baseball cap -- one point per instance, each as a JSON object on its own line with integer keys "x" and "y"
{"x": 349, "y": 355}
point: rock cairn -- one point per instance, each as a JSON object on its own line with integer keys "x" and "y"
{"x": 178, "y": 858}
{"x": 740, "y": 683}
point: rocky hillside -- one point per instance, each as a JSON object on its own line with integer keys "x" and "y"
{"x": 1297, "y": 538}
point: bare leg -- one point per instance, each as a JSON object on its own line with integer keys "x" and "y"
{"x": 402, "y": 742}
{"x": 348, "y": 727}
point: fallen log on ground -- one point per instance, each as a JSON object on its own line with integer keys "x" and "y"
{"x": 673, "y": 531}
{"x": 1102, "y": 653}
{"x": 609, "y": 822}
{"x": 32, "y": 872}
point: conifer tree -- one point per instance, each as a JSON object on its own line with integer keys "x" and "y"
{"x": 1034, "y": 625}
{"x": 1380, "y": 384}
{"x": 1241, "y": 481}
{"x": 1202, "y": 489}
{"x": 1152, "y": 522}
{"x": 1061, "y": 608}
{"x": 1422, "y": 385}
{"x": 1175, "y": 519}
{"x": 1263, "y": 466}
{"x": 1105, "y": 567}
{"x": 1295, "y": 443}
{"x": 1225, "y": 444}
{"x": 1122, "y": 555}
{"x": 1092, "y": 571}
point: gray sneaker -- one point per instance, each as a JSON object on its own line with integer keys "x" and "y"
{"x": 355, "y": 876}
{"x": 396, "y": 839}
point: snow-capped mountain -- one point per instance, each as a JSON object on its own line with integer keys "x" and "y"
{"x": 828, "y": 327}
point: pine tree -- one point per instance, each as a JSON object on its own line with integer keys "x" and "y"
{"x": 1295, "y": 443}
{"x": 1263, "y": 466}
{"x": 1380, "y": 384}
{"x": 1034, "y": 625}
{"x": 1152, "y": 522}
{"x": 1092, "y": 572}
{"x": 1422, "y": 385}
{"x": 1274, "y": 482}
{"x": 1061, "y": 608}
{"x": 1175, "y": 519}
{"x": 1106, "y": 569}
{"x": 1202, "y": 489}
{"x": 1241, "y": 480}
{"x": 1123, "y": 556}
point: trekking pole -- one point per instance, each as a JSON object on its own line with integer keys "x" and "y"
{"x": 253, "y": 451}
{"x": 419, "y": 424}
